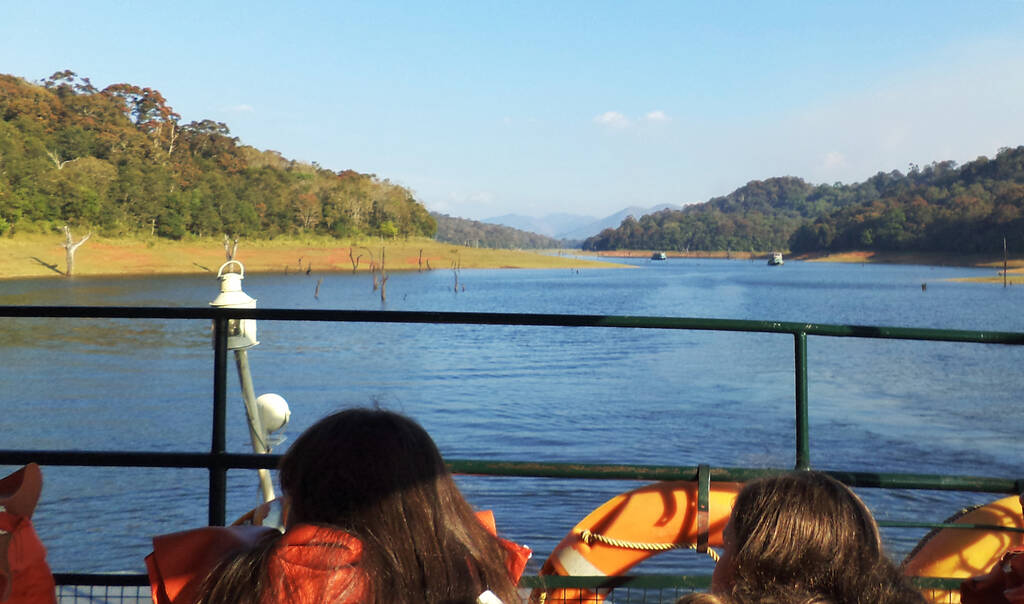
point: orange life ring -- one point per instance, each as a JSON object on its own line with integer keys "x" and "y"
{"x": 666, "y": 513}
{"x": 963, "y": 553}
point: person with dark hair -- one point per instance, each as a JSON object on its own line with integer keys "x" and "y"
{"x": 805, "y": 533}
{"x": 699, "y": 598}
{"x": 373, "y": 515}
{"x": 786, "y": 597}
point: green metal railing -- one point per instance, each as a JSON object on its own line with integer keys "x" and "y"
{"x": 218, "y": 461}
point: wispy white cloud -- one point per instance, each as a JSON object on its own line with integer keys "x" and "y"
{"x": 612, "y": 119}
{"x": 833, "y": 159}
{"x": 484, "y": 198}
{"x": 617, "y": 120}
{"x": 475, "y": 204}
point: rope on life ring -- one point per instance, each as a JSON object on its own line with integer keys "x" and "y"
{"x": 590, "y": 538}
{"x": 633, "y": 526}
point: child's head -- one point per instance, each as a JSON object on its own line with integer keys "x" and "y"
{"x": 802, "y": 530}
{"x": 354, "y": 465}
{"x": 379, "y": 476}
{"x": 786, "y": 597}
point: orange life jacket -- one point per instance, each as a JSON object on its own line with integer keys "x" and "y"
{"x": 313, "y": 564}
{"x": 307, "y": 563}
{"x": 25, "y": 577}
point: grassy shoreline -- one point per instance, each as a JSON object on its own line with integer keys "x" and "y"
{"x": 42, "y": 256}
{"x": 1014, "y": 273}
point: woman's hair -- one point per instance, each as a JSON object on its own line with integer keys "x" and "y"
{"x": 700, "y": 598}
{"x": 805, "y": 532}
{"x": 783, "y": 597}
{"x": 378, "y": 476}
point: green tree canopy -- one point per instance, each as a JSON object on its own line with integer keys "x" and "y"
{"x": 119, "y": 161}
{"x": 937, "y": 208}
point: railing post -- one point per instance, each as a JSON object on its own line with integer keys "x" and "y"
{"x": 218, "y": 440}
{"x": 803, "y": 447}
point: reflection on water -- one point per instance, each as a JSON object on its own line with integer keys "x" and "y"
{"x": 100, "y": 335}
{"x": 520, "y": 393}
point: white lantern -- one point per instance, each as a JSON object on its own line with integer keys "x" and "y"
{"x": 274, "y": 411}
{"x": 241, "y": 332}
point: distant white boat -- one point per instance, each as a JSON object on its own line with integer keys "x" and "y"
{"x": 659, "y": 256}
{"x": 775, "y": 259}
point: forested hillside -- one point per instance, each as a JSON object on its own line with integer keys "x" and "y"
{"x": 472, "y": 233}
{"x": 940, "y": 208}
{"x": 119, "y": 161}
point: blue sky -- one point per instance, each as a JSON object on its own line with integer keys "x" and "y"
{"x": 488, "y": 108}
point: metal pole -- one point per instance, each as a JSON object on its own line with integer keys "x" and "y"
{"x": 256, "y": 432}
{"x": 803, "y": 447}
{"x": 218, "y": 473}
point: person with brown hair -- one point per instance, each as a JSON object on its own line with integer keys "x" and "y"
{"x": 790, "y": 597}
{"x": 373, "y": 516}
{"x": 699, "y": 598}
{"x": 809, "y": 534}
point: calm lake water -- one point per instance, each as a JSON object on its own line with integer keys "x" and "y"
{"x": 527, "y": 393}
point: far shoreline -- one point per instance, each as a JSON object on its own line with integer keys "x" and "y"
{"x": 42, "y": 256}
{"x": 1014, "y": 276}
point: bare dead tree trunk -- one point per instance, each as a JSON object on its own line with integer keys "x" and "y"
{"x": 383, "y": 278}
{"x": 354, "y": 261}
{"x": 56, "y": 159}
{"x": 1004, "y": 261}
{"x": 173, "y": 137}
{"x": 230, "y": 247}
{"x": 373, "y": 268}
{"x": 420, "y": 262}
{"x": 69, "y": 249}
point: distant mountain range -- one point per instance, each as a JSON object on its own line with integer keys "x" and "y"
{"x": 572, "y": 227}
{"x": 526, "y": 232}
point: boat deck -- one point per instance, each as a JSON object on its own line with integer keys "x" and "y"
{"x": 111, "y": 587}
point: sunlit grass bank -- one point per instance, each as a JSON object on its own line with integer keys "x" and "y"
{"x": 1014, "y": 273}
{"x": 43, "y": 256}
{"x": 1015, "y": 266}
